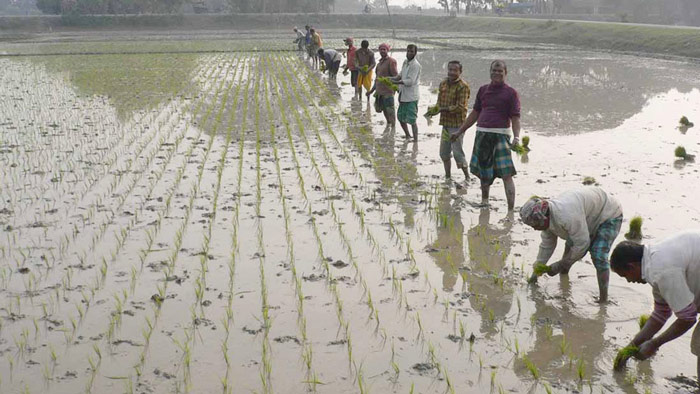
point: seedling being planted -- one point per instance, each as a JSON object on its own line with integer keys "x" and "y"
{"x": 681, "y": 153}
{"x": 538, "y": 270}
{"x": 623, "y": 355}
{"x": 685, "y": 122}
{"x": 635, "y": 231}
{"x": 589, "y": 180}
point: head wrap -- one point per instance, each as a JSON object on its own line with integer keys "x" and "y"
{"x": 535, "y": 212}
{"x": 385, "y": 45}
{"x": 348, "y": 40}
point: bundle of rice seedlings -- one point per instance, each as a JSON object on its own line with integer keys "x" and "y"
{"x": 681, "y": 153}
{"x": 386, "y": 81}
{"x": 635, "y": 231}
{"x": 643, "y": 320}
{"x": 432, "y": 111}
{"x": 365, "y": 69}
{"x": 541, "y": 268}
{"x": 526, "y": 143}
{"x": 517, "y": 148}
{"x": 623, "y": 355}
{"x": 685, "y": 122}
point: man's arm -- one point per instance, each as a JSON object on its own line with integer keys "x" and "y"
{"x": 460, "y": 102}
{"x": 411, "y": 76}
{"x": 515, "y": 120}
{"x": 649, "y": 347}
{"x": 547, "y": 247}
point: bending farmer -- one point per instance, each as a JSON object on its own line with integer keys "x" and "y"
{"x": 588, "y": 219}
{"x": 672, "y": 268}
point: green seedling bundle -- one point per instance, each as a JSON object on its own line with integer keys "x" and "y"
{"x": 623, "y": 355}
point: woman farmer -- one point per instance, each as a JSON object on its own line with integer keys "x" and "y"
{"x": 588, "y": 219}
{"x": 672, "y": 268}
{"x": 497, "y": 106}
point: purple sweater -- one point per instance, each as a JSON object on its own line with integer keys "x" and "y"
{"x": 496, "y": 105}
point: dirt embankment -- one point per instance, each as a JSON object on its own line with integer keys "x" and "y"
{"x": 651, "y": 39}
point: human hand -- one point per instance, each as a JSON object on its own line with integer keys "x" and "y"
{"x": 515, "y": 141}
{"x": 646, "y": 350}
{"x": 455, "y": 137}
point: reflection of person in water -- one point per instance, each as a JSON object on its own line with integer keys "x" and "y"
{"x": 448, "y": 248}
{"x": 580, "y": 337}
{"x": 489, "y": 247}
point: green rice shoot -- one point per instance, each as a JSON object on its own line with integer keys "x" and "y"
{"x": 517, "y": 148}
{"x": 541, "y": 268}
{"x": 623, "y": 355}
{"x": 685, "y": 122}
{"x": 680, "y": 152}
{"x": 643, "y": 320}
{"x": 635, "y": 231}
{"x": 386, "y": 81}
{"x": 432, "y": 111}
{"x": 526, "y": 143}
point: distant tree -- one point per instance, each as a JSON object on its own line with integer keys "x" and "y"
{"x": 445, "y": 5}
{"x": 52, "y": 7}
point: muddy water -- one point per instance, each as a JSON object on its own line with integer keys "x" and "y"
{"x": 253, "y": 229}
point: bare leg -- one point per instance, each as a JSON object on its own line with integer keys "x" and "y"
{"x": 415, "y": 131}
{"x": 404, "y": 126}
{"x": 390, "y": 117}
{"x": 485, "y": 188}
{"x": 465, "y": 170}
{"x": 698, "y": 371}
{"x": 603, "y": 280}
{"x": 448, "y": 168}
{"x": 509, "y": 185}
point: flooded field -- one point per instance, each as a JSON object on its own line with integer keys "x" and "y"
{"x": 232, "y": 221}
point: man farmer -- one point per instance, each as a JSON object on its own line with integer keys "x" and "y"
{"x": 497, "y": 105}
{"x": 316, "y": 44}
{"x": 307, "y": 40}
{"x": 386, "y": 68}
{"x": 408, "y": 82}
{"x": 453, "y": 96}
{"x": 365, "y": 63}
{"x": 351, "y": 63}
{"x": 588, "y": 219}
{"x": 672, "y": 268}
{"x": 332, "y": 59}
{"x": 300, "y": 40}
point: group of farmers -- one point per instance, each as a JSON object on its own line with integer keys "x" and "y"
{"x": 588, "y": 219}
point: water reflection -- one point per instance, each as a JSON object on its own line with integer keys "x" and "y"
{"x": 489, "y": 247}
{"x": 448, "y": 248}
{"x": 572, "y": 91}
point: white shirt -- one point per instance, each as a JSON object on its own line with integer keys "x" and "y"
{"x": 575, "y": 216}
{"x": 672, "y": 268}
{"x": 410, "y": 75}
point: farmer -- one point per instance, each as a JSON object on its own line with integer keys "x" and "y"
{"x": 672, "y": 268}
{"x": 408, "y": 91}
{"x": 452, "y": 101}
{"x": 300, "y": 40}
{"x": 351, "y": 62}
{"x": 365, "y": 63}
{"x": 497, "y": 105}
{"x": 316, "y": 44}
{"x": 307, "y": 40}
{"x": 332, "y": 59}
{"x": 386, "y": 68}
{"x": 588, "y": 219}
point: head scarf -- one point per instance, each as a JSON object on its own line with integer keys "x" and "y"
{"x": 535, "y": 212}
{"x": 385, "y": 45}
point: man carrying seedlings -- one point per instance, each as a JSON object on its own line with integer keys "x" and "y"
{"x": 300, "y": 40}
{"x": 332, "y": 59}
{"x": 453, "y": 96}
{"x": 672, "y": 268}
{"x": 588, "y": 218}
{"x": 384, "y": 102}
{"x": 408, "y": 82}
{"x": 351, "y": 62}
{"x": 364, "y": 60}
{"x": 497, "y": 105}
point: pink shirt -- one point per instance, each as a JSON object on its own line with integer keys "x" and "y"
{"x": 496, "y": 104}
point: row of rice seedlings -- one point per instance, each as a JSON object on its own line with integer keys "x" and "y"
{"x": 307, "y": 348}
{"x": 86, "y": 300}
{"x": 227, "y": 386}
{"x": 115, "y": 316}
{"x": 367, "y": 292}
{"x": 161, "y": 294}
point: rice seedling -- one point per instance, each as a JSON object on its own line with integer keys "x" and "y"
{"x": 432, "y": 111}
{"x": 635, "y": 229}
{"x": 643, "y": 320}
{"x": 580, "y": 369}
{"x": 534, "y": 371}
{"x": 685, "y": 122}
{"x": 623, "y": 355}
{"x": 526, "y": 143}
{"x": 589, "y": 180}
{"x": 682, "y": 154}
{"x": 388, "y": 83}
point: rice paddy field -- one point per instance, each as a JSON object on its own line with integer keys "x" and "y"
{"x": 204, "y": 214}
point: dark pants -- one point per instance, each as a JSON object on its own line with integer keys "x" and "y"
{"x": 353, "y": 78}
